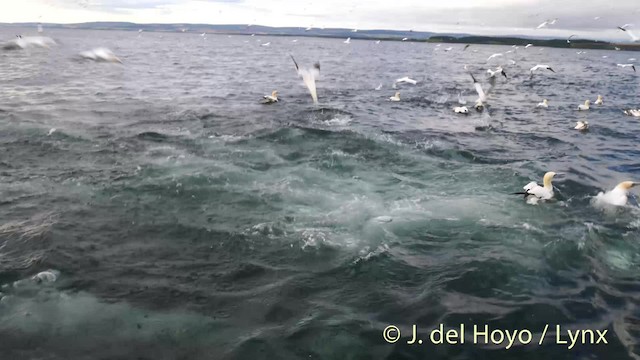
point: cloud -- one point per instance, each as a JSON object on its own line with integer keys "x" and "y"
{"x": 476, "y": 16}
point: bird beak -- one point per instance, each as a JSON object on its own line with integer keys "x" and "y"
{"x": 560, "y": 175}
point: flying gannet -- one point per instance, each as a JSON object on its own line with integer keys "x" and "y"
{"x": 466, "y": 46}
{"x": 584, "y": 106}
{"x": 599, "y": 100}
{"x": 348, "y": 41}
{"x": 533, "y": 192}
{"x": 100, "y": 55}
{"x": 582, "y": 125}
{"x": 405, "y": 39}
{"x": 395, "y": 97}
{"x": 309, "y": 77}
{"x": 499, "y": 70}
{"x": 543, "y": 104}
{"x": 495, "y": 56}
{"x": 546, "y": 67}
{"x": 633, "y": 36}
{"x": 270, "y": 99}
{"x": 546, "y": 23}
{"x": 266, "y": 44}
{"x": 528, "y": 46}
{"x": 404, "y": 80}
{"x": 627, "y": 65}
{"x": 618, "y": 196}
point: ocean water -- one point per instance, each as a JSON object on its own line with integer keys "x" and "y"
{"x": 189, "y": 221}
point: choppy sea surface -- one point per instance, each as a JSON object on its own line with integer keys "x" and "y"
{"x": 189, "y": 221}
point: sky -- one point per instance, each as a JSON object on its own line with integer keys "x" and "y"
{"x": 593, "y": 19}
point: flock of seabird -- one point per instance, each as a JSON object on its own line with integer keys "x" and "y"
{"x": 533, "y": 193}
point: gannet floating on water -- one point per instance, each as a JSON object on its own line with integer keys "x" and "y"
{"x": 461, "y": 110}
{"x": 584, "y": 106}
{"x": 627, "y": 65}
{"x": 582, "y": 125}
{"x": 395, "y": 97}
{"x": 309, "y": 77}
{"x": 46, "y": 276}
{"x": 618, "y": 196}
{"x": 533, "y": 192}
{"x": 632, "y": 112}
{"x": 270, "y": 99}
{"x": 546, "y": 67}
{"x": 599, "y": 100}
{"x": 543, "y": 104}
{"x": 100, "y": 54}
{"x": 26, "y": 42}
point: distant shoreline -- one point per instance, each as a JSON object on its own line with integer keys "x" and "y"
{"x": 382, "y": 35}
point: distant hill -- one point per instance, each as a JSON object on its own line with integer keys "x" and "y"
{"x": 384, "y": 35}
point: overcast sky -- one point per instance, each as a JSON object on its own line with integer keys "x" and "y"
{"x": 485, "y": 17}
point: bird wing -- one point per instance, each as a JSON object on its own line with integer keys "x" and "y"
{"x": 295, "y": 63}
{"x": 531, "y": 185}
{"x": 476, "y": 84}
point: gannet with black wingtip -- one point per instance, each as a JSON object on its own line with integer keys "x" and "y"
{"x": 533, "y": 192}
{"x": 632, "y": 112}
{"x": 543, "y": 104}
{"x": 537, "y": 67}
{"x": 309, "y": 77}
{"x": 270, "y": 99}
{"x": 627, "y": 65}
{"x": 395, "y": 97}
{"x": 584, "y": 106}
{"x": 461, "y": 110}
{"x": 634, "y": 37}
{"x": 582, "y": 125}
{"x": 618, "y": 196}
{"x": 499, "y": 70}
{"x": 599, "y": 100}
{"x": 100, "y": 55}
{"x": 569, "y": 38}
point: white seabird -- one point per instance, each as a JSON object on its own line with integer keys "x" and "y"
{"x": 618, "y": 196}
{"x": 599, "y": 100}
{"x": 632, "y": 112}
{"x": 569, "y": 38}
{"x": 582, "y": 125}
{"x": 405, "y": 39}
{"x": 395, "y": 97}
{"x": 405, "y": 79}
{"x": 51, "y": 131}
{"x": 495, "y": 56}
{"x": 461, "y": 110}
{"x": 499, "y": 70}
{"x": 533, "y": 192}
{"x": 348, "y": 41}
{"x": 100, "y": 54}
{"x": 584, "y": 106}
{"x": 270, "y": 99}
{"x": 528, "y": 46}
{"x": 543, "y": 104}
{"x": 266, "y": 44}
{"x": 309, "y": 77}
{"x": 627, "y": 65}
{"x": 546, "y": 67}
{"x": 633, "y": 36}
{"x": 26, "y": 42}
{"x": 46, "y": 276}
{"x": 379, "y": 87}
{"x": 448, "y": 49}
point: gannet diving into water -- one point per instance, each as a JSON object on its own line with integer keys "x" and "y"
{"x": 582, "y": 125}
{"x": 584, "y": 106}
{"x": 309, "y": 77}
{"x": 627, "y": 65}
{"x": 543, "y": 104}
{"x": 599, "y": 100}
{"x": 618, "y": 196}
{"x": 100, "y": 54}
{"x": 533, "y": 192}
{"x": 546, "y": 67}
{"x": 270, "y": 99}
{"x": 395, "y": 97}
{"x": 29, "y": 41}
